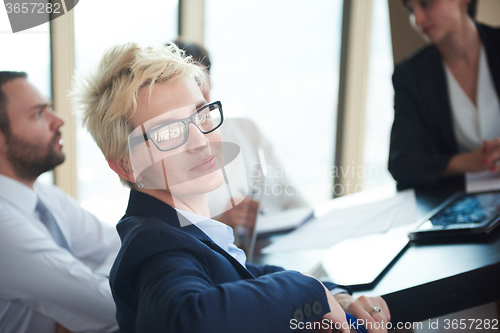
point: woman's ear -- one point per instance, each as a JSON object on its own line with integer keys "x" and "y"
{"x": 117, "y": 166}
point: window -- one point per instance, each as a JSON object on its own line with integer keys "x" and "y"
{"x": 379, "y": 106}
{"x": 28, "y": 51}
{"x": 277, "y": 62}
{"x": 98, "y": 26}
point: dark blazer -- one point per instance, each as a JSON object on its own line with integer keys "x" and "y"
{"x": 168, "y": 278}
{"x": 422, "y": 137}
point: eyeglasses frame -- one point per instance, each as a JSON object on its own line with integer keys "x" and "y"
{"x": 186, "y": 121}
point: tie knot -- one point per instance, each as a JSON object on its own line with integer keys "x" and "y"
{"x": 40, "y": 208}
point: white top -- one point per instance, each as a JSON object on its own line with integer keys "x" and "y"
{"x": 219, "y": 233}
{"x": 277, "y": 193}
{"x": 474, "y": 124}
{"x": 42, "y": 284}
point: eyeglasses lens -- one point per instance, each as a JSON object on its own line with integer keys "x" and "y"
{"x": 173, "y": 135}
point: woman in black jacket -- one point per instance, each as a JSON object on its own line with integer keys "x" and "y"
{"x": 447, "y": 115}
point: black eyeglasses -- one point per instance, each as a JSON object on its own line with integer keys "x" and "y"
{"x": 174, "y": 134}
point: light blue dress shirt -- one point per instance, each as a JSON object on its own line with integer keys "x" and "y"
{"x": 220, "y": 233}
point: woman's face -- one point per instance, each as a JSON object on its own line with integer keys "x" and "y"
{"x": 437, "y": 19}
{"x": 191, "y": 169}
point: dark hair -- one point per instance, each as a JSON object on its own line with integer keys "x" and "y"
{"x": 4, "y": 118}
{"x": 197, "y": 52}
{"x": 471, "y": 7}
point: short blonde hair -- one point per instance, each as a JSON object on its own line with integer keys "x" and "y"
{"x": 106, "y": 98}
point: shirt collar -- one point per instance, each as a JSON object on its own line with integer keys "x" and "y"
{"x": 217, "y": 231}
{"x": 17, "y": 194}
{"x": 205, "y": 229}
{"x": 220, "y": 233}
{"x": 145, "y": 205}
{"x": 141, "y": 204}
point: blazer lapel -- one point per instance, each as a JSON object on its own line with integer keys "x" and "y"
{"x": 435, "y": 91}
{"x": 196, "y": 232}
{"x": 144, "y": 205}
{"x": 244, "y": 273}
{"x": 493, "y": 54}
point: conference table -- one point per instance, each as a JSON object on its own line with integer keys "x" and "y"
{"x": 426, "y": 281}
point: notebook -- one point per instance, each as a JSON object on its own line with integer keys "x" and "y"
{"x": 362, "y": 261}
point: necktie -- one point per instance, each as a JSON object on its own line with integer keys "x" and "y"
{"x": 48, "y": 220}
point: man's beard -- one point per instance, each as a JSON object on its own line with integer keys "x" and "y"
{"x": 30, "y": 160}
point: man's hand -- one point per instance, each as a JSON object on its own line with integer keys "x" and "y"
{"x": 336, "y": 316}
{"x": 362, "y": 309}
{"x": 243, "y": 214}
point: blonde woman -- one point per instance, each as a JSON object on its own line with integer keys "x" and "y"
{"x": 178, "y": 270}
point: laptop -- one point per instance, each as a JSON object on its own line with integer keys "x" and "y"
{"x": 463, "y": 217}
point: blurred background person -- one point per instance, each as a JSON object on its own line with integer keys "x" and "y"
{"x": 55, "y": 256}
{"x": 271, "y": 193}
{"x": 447, "y": 113}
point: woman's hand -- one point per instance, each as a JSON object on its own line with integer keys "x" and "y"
{"x": 483, "y": 158}
{"x": 491, "y": 150}
{"x": 467, "y": 162}
{"x": 365, "y": 309}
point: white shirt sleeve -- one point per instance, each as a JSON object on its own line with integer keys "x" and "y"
{"x": 49, "y": 280}
{"x": 91, "y": 241}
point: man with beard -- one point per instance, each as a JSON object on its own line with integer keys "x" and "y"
{"x": 54, "y": 256}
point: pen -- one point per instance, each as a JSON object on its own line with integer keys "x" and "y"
{"x": 352, "y": 321}
{"x": 243, "y": 234}
{"x": 262, "y": 161}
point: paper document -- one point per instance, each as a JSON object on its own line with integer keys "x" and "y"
{"x": 482, "y": 181}
{"x": 353, "y": 221}
{"x": 386, "y": 245}
{"x": 283, "y": 220}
